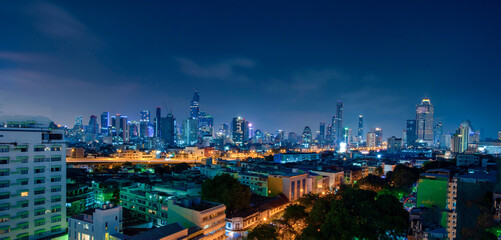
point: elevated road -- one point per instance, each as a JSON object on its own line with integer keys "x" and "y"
{"x": 123, "y": 160}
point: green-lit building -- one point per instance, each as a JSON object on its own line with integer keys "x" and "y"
{"x": 432, "y": 194}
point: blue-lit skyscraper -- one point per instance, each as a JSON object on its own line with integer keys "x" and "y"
{"x": 105, "y": 123}
{"x": 144, "y": 121}
{"x": 158, "y": 115}
{"x": 321, "y": 135}
{"x": 194, "y": 108}
{"x": 337, "y": 123}
{"x": 360, "y": 127}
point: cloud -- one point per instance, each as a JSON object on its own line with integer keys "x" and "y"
{"x": 225, "y": 70}
{"x": 55, "y": 21}
{"x": 21, "y": 57}
{"x": 309, "y": 80}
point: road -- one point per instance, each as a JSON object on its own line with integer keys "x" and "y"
{"x": 122, "y": 160}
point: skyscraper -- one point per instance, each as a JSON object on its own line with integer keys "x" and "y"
{"x": 459, "y": 141}
{"x": 93, "y": 126}
{"x": 144, "y": 121}
{"x": 78, "y": 122}
{"x": 424, "y": 121}
{"x": 194, "y": 108}
{"x": 205, "y": 127}
{"x": 306, "y": 137}
{"x": 379, "y": 136}
{"x": 123, "y": 130}
{"x": 105, "y": 123}
{"x": 167, "y": 129}
{"x": 321, "y": 135}
{"x": 337, "y": 123}
{"x": 113, "y": 126}
{"x": 158, "y": 115}
{"x": 411, "y": 133}
{"x": 371, "y": 140}
{"x": 437, "y": 133}
{"x": 240, "y": 131}
{"x": 190, "y": 132}
{"x": 360, "y": 128}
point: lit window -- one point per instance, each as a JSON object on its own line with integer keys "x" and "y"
{"x": 24, "y": 194}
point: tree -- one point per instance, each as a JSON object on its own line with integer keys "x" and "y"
{"x": 292, "y": 222}
{"x": 403, "y": 177}
{"x": 179, "y": 167}
{"x": 227, "y": 190}
{"x": 372, "y": 182}
{"x": 263, "y": 232}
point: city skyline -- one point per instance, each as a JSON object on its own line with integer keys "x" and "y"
{"x": 268, "y": 69}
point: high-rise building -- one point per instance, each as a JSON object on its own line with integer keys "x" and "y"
{"x": 105, "y": 123}
{"x": 379, "y": 136}
{"x": 114, "y": 126}
{"x": 194, "y": 108}
{"x": 33, "y": 183}
{"x": 167, "y": 129}
{"x": 337, "y": 123}
{"x": 292, "y": 137}
{"x": 123, "y": 130}
{"x": 190, "y": 132}
{"x": 93, "y": 126}
{"x": 437, "y": 133}
{"x": 411, "y": 132}
{"x": 459, "y": 141}
{"x": 371, "y": 140}
{"x": 360, "y": 128}
{"x": 499, "y": 135}
{"x": 144, "y": 116}
{"x": 158, "y": 115}
{"x": 346, "y": 135}
{"x": 306, "y": 137}
{"x": 259, "y": 136}
{"x": 328, "y": 134}
{"x": 240, "y": 131}
{"x": 424, "y": 122}
{"x": 321, "y": 135}
{"x": 206, "y": 127}
{"x": 78, "y": 122}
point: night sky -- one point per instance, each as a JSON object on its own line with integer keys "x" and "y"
{"x": 279, "y": 64}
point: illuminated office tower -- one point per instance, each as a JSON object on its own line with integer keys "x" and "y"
{"x": 360, "y": 128}
{"x": 32, "y": 183}
{"x": 167, "y": 129}
{"x": 459, "y": 141}
{"x": 411, "y": 133}
{"x": 78, "y": 122}
{"x": 158, "y": 115}
{"x": 240, "y": 131}
{"x": 321, "y": 133}
{"x": 424, "y": 122}
{"x": 144, "y": 121}
{"x": 113, "y": 127}
{"x": 437, "y": 133}
{"x": 337, "y": 123}
{"x": 123, "y": 130}
{"x": 307, "y": 137}
{"x": 194, "y": 108}
{"x": 105, "y": 123}
{"x": 328, "y": 134}
{"x": 292, "y": 137}
{"x": 371, "y": 139}
{"x": 93, "y": 126}
{"x": 205, "y": 127}
{"x": 379, "y": 136}
{"x": 190, "y": 132}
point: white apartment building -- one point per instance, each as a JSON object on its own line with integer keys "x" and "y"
{"x": 96, "y": 224}
{"x": 32, "y": 183}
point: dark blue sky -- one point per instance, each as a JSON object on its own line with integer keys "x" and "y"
{"x": 280, "y": 64}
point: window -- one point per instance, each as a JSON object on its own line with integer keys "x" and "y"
{"x": 56, "y": 209}
{"x": 56, "y": 219}
{"x": 55, "y": 148}
{"x": 39, "y": 191}
{"x": 39, "y": 148}
{"x": 4, "y": 160}
{"x": 39, "y": 212}
{"x": 4, "y": 172}
{"x": 24, "y": 171}
{"x": 56, "y": 199}
{"x": 4, "y": 230}
{"x": 56, "y": 189}
{"x": 4, "y": 195}
{"x": 40, "y": 222}
{"x": 55, "y": 179}
{"x": 55, "y": 159}
{"x": 39, "y": 201}
{"x": 55, "y": 169}
{"x": 39, "y": 170}
{"x": 4, "y": 207}
{"x": 39, "y": 180}
{"x": 39, "y": 159}
{"x": 24, "y": 194}
{"x": 23, "y": 204}
{"x": 4, "y": 149}
{"x": 5, "y": 218}
{"x": 23, "y": 215}
{"x": 23, "y": 181}
{"x": 4, "y": 184}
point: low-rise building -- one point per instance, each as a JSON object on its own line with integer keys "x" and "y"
{"x": 96, "y": 224}
{"x": 295, "y": 157}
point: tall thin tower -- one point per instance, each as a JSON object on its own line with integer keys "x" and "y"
{"x": 194, "y": 108}
{"x": 337, "y": 123}
{"x": 360, "y": 127}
